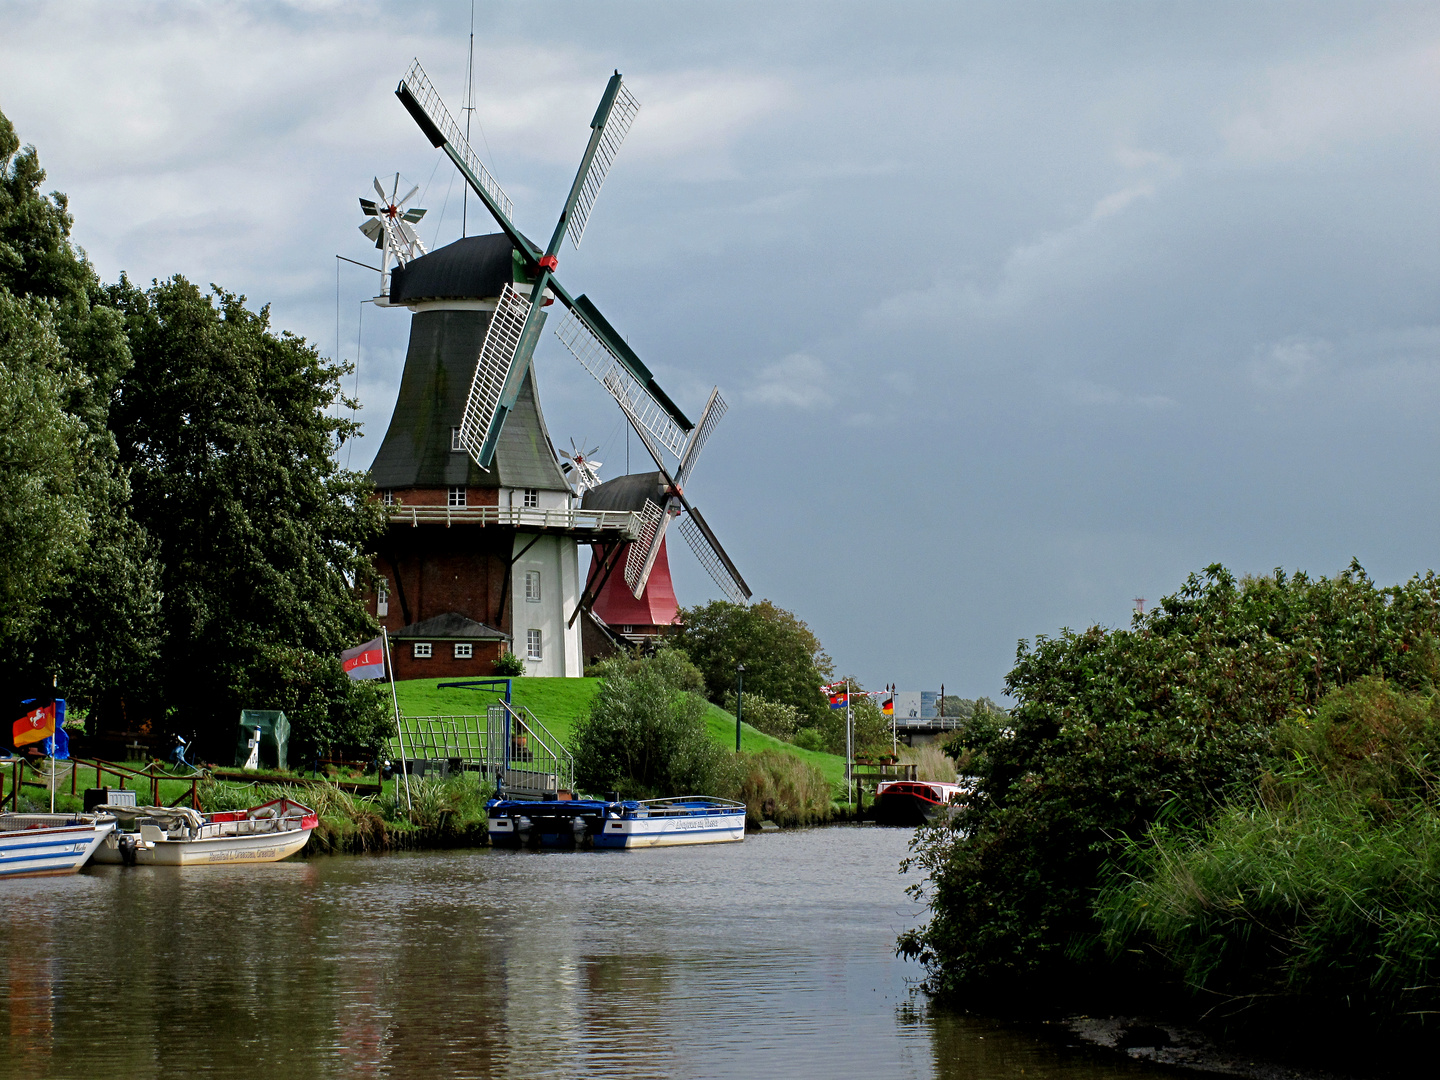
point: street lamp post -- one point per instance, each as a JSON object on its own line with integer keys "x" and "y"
{"x": 739, "y": 694}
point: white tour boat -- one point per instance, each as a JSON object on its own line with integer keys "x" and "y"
{"x": 179, "y": 836}
{"x": 609, "y": 823}
{"x": 35, "y": 845}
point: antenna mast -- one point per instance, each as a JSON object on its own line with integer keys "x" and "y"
{"x": 469, "y": 111}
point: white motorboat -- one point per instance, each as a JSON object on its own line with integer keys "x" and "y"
{"x": 612, "y": 823}
{"x": 37, "y": 845}
{"x": 179, "y": 836}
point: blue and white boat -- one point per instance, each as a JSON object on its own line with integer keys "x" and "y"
{"x": 35, "y": 845}
{"x": 687, "y": 819}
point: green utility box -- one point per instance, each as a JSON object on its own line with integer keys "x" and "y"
{"x": 274, "y": 739}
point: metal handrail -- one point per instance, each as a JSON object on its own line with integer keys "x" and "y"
{"x": 446, "y": 737}
{"x": 623, "y": 522}
{"x": 553, "y": 751}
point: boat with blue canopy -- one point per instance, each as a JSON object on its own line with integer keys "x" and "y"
{"x": 615, "y": 823}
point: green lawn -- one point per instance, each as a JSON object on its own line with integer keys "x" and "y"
{"x": 559, "y": 703}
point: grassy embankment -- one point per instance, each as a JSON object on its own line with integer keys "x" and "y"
{"x": 560, "y": 703}
{"x": 777, "y": 780}
{"x": 453, "y": 812}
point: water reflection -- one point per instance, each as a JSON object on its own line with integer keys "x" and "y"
{"x": 774, "y": 956}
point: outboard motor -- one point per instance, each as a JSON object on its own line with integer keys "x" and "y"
{"x": 126, "y": 844}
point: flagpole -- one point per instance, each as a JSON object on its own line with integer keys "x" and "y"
{"x": 399, "y": 731}
{"x": 849, "y": 747}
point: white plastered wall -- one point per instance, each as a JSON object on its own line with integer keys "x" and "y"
{"x": 557, "y": 559}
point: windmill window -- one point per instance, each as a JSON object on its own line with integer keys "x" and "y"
{"x": 420, "y": 650}
{"x": 382, "y": 597}
{"x": 532, "y": 497}
{"x": 464, "y": 651}
{"x": 388, "y": 497}
{"x": 532, "y": 586}
{"x": 457, "y": 497}
{"x": 627, "y": 629}
{"x": 532, "y": 645}
{"x": 455, "y": 443}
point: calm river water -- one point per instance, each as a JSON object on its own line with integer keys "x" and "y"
{"x": 771, "y": 958}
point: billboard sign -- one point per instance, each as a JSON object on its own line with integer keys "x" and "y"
{"x": 916, "y": 706}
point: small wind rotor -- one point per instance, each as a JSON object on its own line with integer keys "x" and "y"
{"x": 581, "y": 468}
{"x": 391, "y": 226}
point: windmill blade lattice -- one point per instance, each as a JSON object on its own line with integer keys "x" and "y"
{"x": 712, "y": 557}
{"x": 497, "y": 353}
{"x": 611, "y": 135}
{"x": 581, "y": 468}
{"x": 714, "y": 410}
{"x": 645, "y": 548}
{"x": 442, "y": 129}
{"x": 596, "y": 358}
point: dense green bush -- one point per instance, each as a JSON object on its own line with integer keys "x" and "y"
{"x": 509, "y": 665}
{"x": 1320, "y": 884}
{"x": 1112, "y": 727}
{"x": 772, "y": 717}
{"x": 645, "y": 735}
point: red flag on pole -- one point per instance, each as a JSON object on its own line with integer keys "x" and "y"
{"x": 364, "y": 661}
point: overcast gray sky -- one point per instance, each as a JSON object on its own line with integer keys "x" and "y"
{"x": 1022, "y": 310}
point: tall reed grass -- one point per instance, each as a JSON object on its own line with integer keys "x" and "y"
{"x": 1321, "y": 885}
{"x": 780, "y": 787}
{"x": 931, "y": 761}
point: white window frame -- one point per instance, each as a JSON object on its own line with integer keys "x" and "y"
{"x": 532, "y": 586}
{"x": 455, "y": 499}
{"x": 533, "y": 645}
{"x": 388, "y": 496}
{"x": 421, "y": 650}
{"x": 531, "y": 499}
{"x": 455, "y": 443}
{"x": 382, "y": 597}
{"x": 464, "y": 650}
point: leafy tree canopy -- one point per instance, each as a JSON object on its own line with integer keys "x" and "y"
{"x": 783, "y": 660}
{"x": 85, "y": 611}
{"x": 226, "y": 430}
{"x": 176, "y": 539}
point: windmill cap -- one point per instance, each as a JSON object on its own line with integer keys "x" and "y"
{"x": 472, "y": 268}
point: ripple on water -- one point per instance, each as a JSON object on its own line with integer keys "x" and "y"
{"x": 775, "y": 956}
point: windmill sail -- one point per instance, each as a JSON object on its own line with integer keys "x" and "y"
{"x": 712, "y": 556}
{"x": 645, "y": 548}
{"x": 611, "y": 126}
{"x": 596, "y": 358}
{"x": 714, "y": 410}
{"x": 425, "y": 105}
{"x": 492, "y": 366}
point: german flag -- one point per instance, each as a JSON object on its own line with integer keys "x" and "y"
{"x": 889, "y": 707}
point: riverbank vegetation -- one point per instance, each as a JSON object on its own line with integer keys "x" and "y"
{"x": 649, "y": 733}
{"x": 1233, "y": 798}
